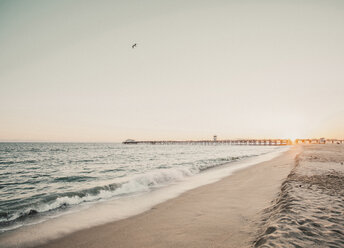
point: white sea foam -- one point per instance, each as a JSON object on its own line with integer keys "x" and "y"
{"x": 136, "y": 184}
{"x": 126, "y": 186}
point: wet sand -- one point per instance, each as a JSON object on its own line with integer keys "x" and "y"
{"x": 309, "y": 210}
{"x": 222, "y": 214}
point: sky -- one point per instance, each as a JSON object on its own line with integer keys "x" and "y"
{"x": 237, "y": 69}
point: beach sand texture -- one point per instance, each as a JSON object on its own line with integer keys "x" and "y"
{"x": 309, "y": 211}
{"x": 222, "y": 214}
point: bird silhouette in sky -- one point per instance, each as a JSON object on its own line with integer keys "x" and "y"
{"x": 134, "y": 45}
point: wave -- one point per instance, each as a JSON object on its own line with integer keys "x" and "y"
{"x": 58, "y": 150}
{"x": 73, "y": 179}
{"x": 134, "y": 185}
{"x": 29, "y": 161}
{"x": 7, "y": 162}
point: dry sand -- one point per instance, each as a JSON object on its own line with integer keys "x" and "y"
{"x": 223, "y": 214}
{"x": 309, "y": 211}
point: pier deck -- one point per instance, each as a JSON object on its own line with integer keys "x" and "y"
{"x": 254, "y": 142}
{"x": 271, "y": 142}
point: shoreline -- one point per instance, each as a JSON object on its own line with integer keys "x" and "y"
{"x": 90, "y": 215}
{"x": 221, "y": 214}
{"x": 102, "y": 214}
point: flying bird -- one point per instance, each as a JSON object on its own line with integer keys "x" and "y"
{"x": 133, "y": 46}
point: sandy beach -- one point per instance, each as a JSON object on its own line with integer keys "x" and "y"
{"x": 223, "y": 214}
{"x": 309, "y": 209}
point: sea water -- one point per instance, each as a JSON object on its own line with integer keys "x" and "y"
{"x": 41, "y": 181}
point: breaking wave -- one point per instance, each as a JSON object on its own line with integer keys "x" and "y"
{"x": 137, "y": 184}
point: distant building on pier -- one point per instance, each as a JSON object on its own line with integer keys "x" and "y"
{"x": 130, "y": 141}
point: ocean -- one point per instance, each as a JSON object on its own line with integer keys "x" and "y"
{"x": 42, "y": 181}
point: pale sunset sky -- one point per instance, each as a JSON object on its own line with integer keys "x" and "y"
{"x": 235, "y": 68}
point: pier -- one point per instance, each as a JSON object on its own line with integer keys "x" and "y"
{"x": 253, "y": 142}
{"x": 319, "y": 141}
